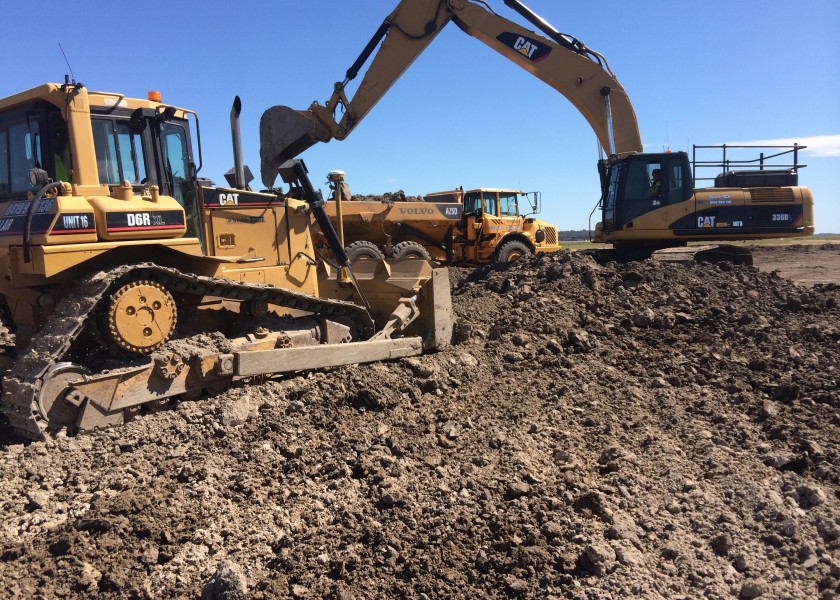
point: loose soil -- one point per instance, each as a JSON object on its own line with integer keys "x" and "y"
{"x": 804, "y": 264}
{"x": 649, "y": 430}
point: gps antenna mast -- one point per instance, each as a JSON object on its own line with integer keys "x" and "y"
{"x": 72, "y": 75}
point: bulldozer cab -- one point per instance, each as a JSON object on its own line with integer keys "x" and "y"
{"x": 143, "y": 146}
{"x": 147, "y": 147}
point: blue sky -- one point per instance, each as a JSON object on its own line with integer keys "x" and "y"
{"x": 700, "y": 73}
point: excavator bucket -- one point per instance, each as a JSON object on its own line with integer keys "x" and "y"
{"x": 284, "y": 134}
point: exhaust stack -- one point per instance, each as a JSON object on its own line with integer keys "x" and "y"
{"x": 236, "y": 135}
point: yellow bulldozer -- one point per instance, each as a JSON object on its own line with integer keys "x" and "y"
{"x": 129, "y": 281}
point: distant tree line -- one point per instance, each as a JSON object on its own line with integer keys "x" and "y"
{"x": 572, "y": 235}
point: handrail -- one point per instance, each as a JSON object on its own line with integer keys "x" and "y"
{"x": 760, "y": 163}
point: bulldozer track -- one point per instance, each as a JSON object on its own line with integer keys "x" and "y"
{"x": 21, "y": 387}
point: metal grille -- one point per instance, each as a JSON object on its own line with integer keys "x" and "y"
{"x": 550, "y": 235}
{"x": 771, "y": 216}
{"x": 772, "y": 195}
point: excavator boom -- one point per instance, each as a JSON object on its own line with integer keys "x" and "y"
{"x": 647, "y": 200}
{"x": 561, "y": 61}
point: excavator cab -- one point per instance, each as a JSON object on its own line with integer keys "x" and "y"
{"x": 637, "y": 185}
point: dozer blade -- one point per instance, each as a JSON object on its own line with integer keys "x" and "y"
{"x": 284, "y": 134}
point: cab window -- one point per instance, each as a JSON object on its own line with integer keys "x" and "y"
{"x": 508, "y": 204}
{"x": 119, "y": 153}
{"x": 640, "y": 179}
{"x": 176, "y": 161}
{"x": 676, "y": 182}
{"x": 20, "y": 150}
{"x": 612, "y": 190}
{"x": 490, "y": 203}
{"x": 472, "y": 203}
{"x": 177, "y": 165}
{"x": 5, "y": 186}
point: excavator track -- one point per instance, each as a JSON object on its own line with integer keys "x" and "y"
{"x": 21, "y": 400}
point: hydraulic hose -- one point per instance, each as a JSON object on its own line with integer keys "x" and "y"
{"x": 27, "y": 227}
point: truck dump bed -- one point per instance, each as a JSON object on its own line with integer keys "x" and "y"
{"x": 385, "y": 223}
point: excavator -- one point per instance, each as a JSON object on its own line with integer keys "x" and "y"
{"x": 130, "y": 283}
{"x": 648, "y": 201}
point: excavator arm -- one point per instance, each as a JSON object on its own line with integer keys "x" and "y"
{"x": 563, "y": 62}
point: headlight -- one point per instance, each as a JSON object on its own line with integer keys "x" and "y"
{"x": 38, "y": 177}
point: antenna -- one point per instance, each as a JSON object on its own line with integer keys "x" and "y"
{"x": 68, "y": 63}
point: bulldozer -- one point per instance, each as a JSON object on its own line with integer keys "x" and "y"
{"x": 130, "y": 283}
{"x": 648, "y": 201}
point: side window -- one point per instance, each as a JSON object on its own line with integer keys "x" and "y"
{"x": 57, "y": 129}
{"x": 508, "y": 204}
{"x": 24, "y": 154}
{"x": 639, "y": 177}
{"x": 472, "y": 203}
{"x": 176, "y": 161}
{"x": 490, "y": 203}
{"x": 675, "y": 185}
{"x": 5, "y": 184}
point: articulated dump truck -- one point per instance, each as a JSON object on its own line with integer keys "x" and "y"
{"x": 129, "y": 282}
{"x": 455, "y": 227}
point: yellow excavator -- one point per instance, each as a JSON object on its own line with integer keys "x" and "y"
{"x": 130, "y": 283}
{"x": 648, "y": 201}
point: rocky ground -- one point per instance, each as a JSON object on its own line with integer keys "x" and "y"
{"x": 649, "y": 430}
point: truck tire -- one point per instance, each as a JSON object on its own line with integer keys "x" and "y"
{"x": 410, "y": 250}
{"x": 363, "y": 250}
{"x": 512, "y": 250}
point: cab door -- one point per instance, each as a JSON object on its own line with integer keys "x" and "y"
{"x": 609, "y": 192}
{"x": 643, "y": 190}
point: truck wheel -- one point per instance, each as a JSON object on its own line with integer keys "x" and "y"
{"x": 410, "y": 250}
{"x": 363, "y": 250}
{"x": 511, "y": 251}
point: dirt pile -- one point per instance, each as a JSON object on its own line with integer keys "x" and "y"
{"x": 648, "y": 430}
{"x": 398, "y": 196}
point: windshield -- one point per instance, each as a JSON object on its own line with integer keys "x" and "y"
{"x": 508, "y": 204}
{"x": 612, "y": 192}
{"x": 119, "y": 153}
{"x": 490, "y": 203}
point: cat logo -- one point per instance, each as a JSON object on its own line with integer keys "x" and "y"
{"x": 532, "y": 49}
{"x": 705, "y": 221}
{"x": 524, "y": 47}
{"x": 229, "y": 199}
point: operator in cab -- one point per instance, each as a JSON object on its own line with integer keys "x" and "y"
{"x": 655, "y": 192}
